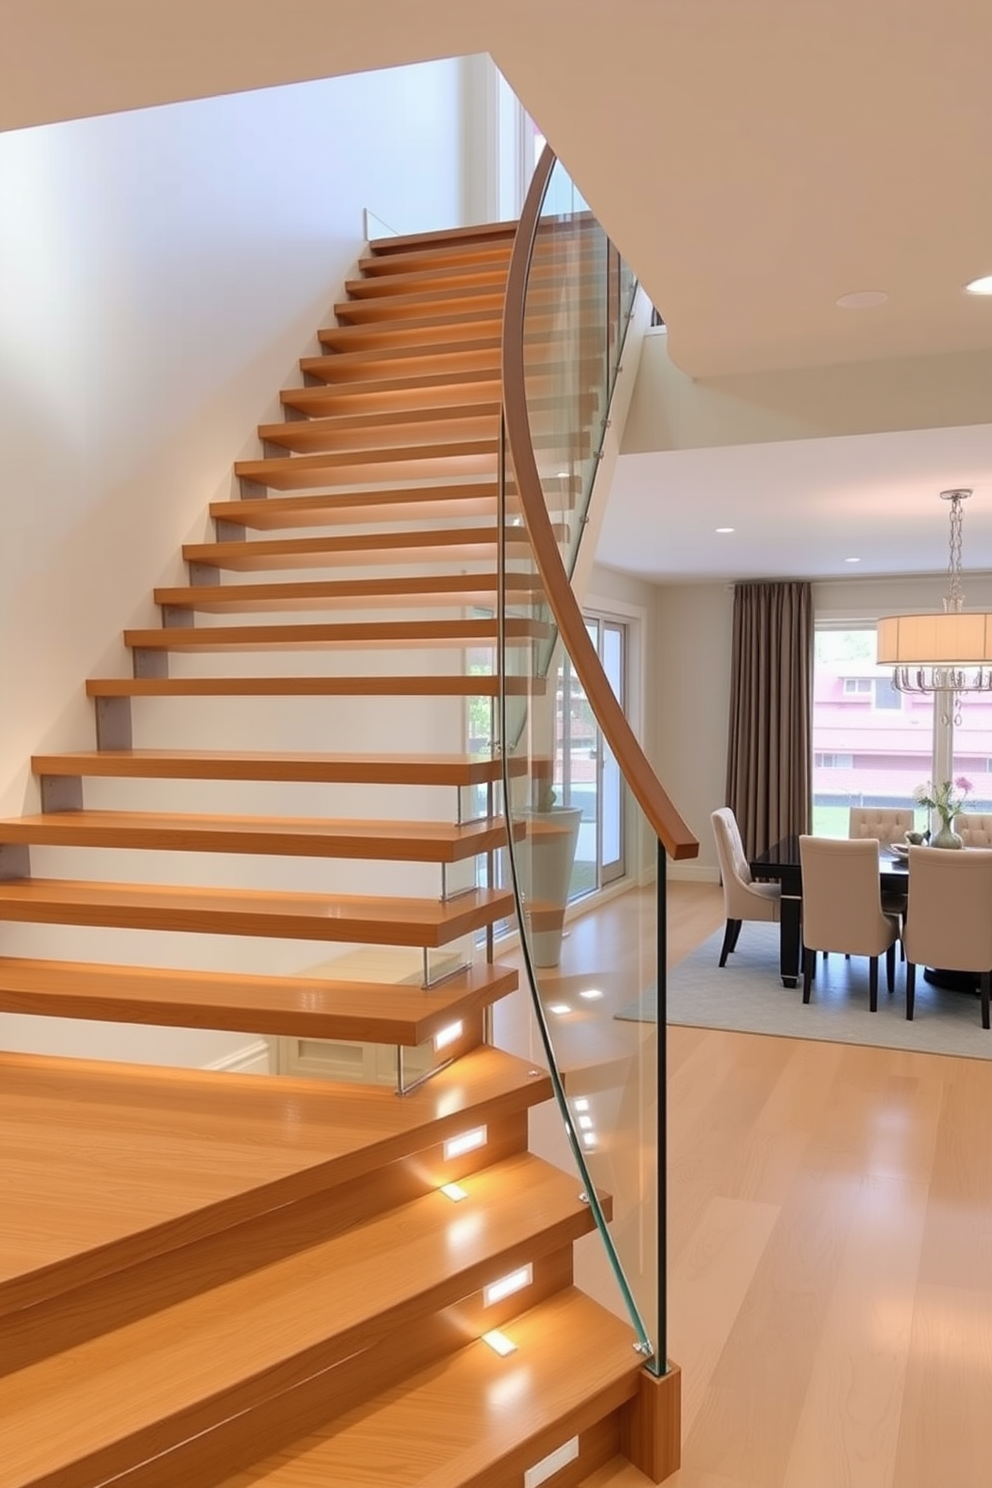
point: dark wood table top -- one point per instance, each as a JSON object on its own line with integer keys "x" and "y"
{"x": 782, "y": 861}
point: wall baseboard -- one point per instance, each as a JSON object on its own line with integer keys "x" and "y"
{"x": 254, "y": 1059}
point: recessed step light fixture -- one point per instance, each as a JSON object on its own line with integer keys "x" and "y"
{"x": 515, "y": 1281}
{"x": 982, "y": 286}
{"x": 466, "y": 1142}
{"x": 553, "y": 1463}
{"x": 446, "y": 1036}
{"x": 499, "y": 1343}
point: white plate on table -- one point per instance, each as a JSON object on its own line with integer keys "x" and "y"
{"x": 899, "y": 850}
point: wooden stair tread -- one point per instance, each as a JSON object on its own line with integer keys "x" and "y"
{"x": 393, "y": 1012}
{"x": 332, "y": 435}
{"x": 470, "y": 238}
{"x": 437, "y": 281}
{"x": 276, "y": 512}
{"x": 444, "y": 1427}
{"x": 435, "y": 589}
{"x": 294, "y": 916}
{"x": 479, "y": 684}
{"x": 412, "y": 390}
{"x": 356, "y": 420}
{"x": 207, "y": 1356}
{"x": 482, "y": 352}
{"x": 463, "y": 300}
{"x": 352, "y": 633}
{"x": 471, "y": 302}
{"x": 212, "y": 1150}
{"x": 422, "y": 331}
{"x": 406, "y": 841}
{"x": 399, "y": 278}
{"x": 442, "y": 452}
{"x": 247, "y": 764}
{"x": 261, "y": 553}
{"x": 417, "y": 462}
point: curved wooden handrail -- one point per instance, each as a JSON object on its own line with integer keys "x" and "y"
{"x": 672, "y": 831}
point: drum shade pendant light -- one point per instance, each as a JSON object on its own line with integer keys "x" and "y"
{"x": 948, "y": 651}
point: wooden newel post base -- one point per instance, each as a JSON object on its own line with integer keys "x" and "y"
{"x": 651, "y": 1425}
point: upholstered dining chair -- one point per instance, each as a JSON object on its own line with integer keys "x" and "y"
{"x": 884, "y": 823}
{"x": 842, "y": 907}
{"x": 974, "y": 828}
{"x": 887, "y": 824}
{"x": 949, "y": 922}
{"x": 743, "y": 899}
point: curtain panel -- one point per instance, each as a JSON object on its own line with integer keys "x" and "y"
{"x": 771, "y": 693}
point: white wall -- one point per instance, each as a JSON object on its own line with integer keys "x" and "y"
{"x": 692, "y": 680}
{"x": 161, "y": 273}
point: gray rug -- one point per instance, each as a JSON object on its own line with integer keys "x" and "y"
{"x": 748, "y": 997}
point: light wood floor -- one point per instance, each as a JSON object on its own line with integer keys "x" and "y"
{"x": 830, "y": 1256}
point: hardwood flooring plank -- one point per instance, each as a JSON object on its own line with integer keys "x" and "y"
{"x": 945, "y": 1432}
{"x": 848, "y": 1428}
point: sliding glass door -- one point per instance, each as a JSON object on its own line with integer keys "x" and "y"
{"x": 586, "y": 772}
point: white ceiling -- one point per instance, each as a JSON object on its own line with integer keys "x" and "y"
{"x": 801, "y": 508}
{"x": 755, "y": 161}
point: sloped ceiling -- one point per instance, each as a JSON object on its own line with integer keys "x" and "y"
{"x": 756, "y": 160}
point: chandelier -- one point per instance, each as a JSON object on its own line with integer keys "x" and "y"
{"x": 948, "y": 651}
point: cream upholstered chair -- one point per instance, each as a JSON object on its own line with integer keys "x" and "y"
{"x": 842, "y": 907}
{"x": 743, "y": 899}
{"x": 949, "y": 923}
{"x": 884, "y": 823}
{"x": 974, "y": 828}
{"x": 887, "y": 824}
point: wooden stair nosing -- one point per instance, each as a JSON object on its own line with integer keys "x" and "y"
{"x": 169, "y": 1125}
{"x": 483, "y": 353}
{"x": 389, "y": 419}
{"x": 472, "y": 302}
{"x": 363, "y": 919}
{"x": 580, "y": 1367}
{"x": 311, "y": 837}
{"x": 444, "y": 279}
{"x": 422, "y": 332}
{"x": 476, "y": 684}
{"x": 206, "y": 1358}
{"x": 306, "y": 1007}
{"x": 294, "y": 594}
{"x": 326, "y": 435}
{"x": 470, "y": 236}
{"x": 246, "y": 557}
{"x": 470, "y": 384}
{"x": 432, "y": 283}
{"x": 350, "y": 769}
{"x": 352, "y": 633}
{"x": 405, "y": 504}
{"x": 449, "y": 449}
{"x": 542, "y": 332}
{"x": 465, "y": 300}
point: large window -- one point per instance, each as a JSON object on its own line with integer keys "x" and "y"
{"x": 872, "y": 745}
{"x": 972, "y": 748}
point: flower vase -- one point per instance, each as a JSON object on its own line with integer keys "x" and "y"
{"x": 945, "y": 836}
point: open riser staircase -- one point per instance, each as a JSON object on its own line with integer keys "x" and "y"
{"x": 214, "y": 1278}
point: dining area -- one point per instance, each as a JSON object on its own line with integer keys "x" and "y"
{"x": 921, "y": 909}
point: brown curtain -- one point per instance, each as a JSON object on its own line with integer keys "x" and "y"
{"x": 771, "y": 688}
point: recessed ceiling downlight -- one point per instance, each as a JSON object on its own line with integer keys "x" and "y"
{"x": 725, "y": 529}
{"x": 862, "y": 299}
{"x": 982, "y": 286}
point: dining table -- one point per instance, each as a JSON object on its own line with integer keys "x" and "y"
{"x": 780, "y": 864}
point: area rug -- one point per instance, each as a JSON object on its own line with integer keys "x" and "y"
{"x": 747, "y": 996}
